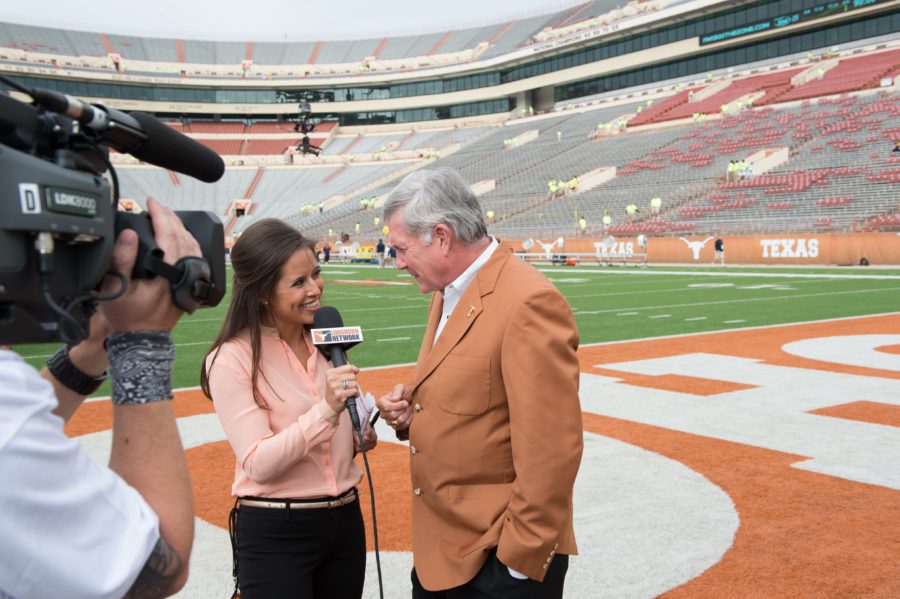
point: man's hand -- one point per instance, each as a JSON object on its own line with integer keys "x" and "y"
{"x": 147, "y": 451}
{"x": 396, "y": 408}
{"x": 147, "y": 305}
{"x": 89, "y": 357}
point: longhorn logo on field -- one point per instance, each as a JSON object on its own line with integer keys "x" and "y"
{"x": 695, "y": 246}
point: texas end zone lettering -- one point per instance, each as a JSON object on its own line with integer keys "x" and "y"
{"x": 621, "y": 248}
{"x": 790, "y": 248}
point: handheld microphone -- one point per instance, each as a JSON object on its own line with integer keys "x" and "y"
{"x": 333, "y": 339}
{"x": 139, "y": 134}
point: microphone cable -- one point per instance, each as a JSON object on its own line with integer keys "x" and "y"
{"x": 362, "y": 447}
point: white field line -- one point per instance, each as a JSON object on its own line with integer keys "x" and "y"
{"x": 193, "y": 320}
{"x": 639, "y": 309}
{"x": 785, "y": 275}
{"x": 680, "y": 289}
{"x": 750, "y": 299}
{"x": 423, "y": 299}
{"x": 621, "y": 341}
{"x": 696, "y": 318}
{"x": 737, "y": 329}
{"x": 209, "y": 342}
{"x": 680, "y": 280}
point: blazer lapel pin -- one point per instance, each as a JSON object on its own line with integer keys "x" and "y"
{"x": 471, "y": 311}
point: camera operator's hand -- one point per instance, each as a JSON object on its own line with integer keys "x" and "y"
{"x": 147, "y": 303}
{"x": 146, "y": 450}
{"x": 90, "y": 358}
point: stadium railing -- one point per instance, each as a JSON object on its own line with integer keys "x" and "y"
{"x": 577, "y": 258}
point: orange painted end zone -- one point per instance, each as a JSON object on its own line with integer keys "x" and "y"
{"x": 761, "y": 344}
{"x": 96, "y": 416}
{"x": 801, "y": 533}
{"x": 864, "y": 411}
{"x": 673, "y": 382}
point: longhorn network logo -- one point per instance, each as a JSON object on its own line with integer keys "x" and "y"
{"x": 336, "y": 335}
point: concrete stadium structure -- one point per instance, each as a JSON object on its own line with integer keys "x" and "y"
{"x": 651, "y": 99}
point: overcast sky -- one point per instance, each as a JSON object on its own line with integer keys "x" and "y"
{"x": 273, "y": 20}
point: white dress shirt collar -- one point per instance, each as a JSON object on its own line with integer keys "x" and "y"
{"x": 455, "y": 290}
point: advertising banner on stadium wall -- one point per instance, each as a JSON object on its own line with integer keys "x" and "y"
{"x": 828, "y": 248}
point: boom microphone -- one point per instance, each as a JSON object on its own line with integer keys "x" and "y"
{"x": 138, "y": 134}
{"x": 170, "y": 149}
{"x": 334, "y": 339}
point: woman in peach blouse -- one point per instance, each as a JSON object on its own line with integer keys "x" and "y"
{"x": 297, "y": 528}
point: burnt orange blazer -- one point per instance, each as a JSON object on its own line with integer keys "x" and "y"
{"x": 496, "y": 436}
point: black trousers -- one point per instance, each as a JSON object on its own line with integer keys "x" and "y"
{"x": 494, "y": 581}
{"x": 309, "y": 554}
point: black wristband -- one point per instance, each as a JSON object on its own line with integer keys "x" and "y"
{"x": 70, "y": 377}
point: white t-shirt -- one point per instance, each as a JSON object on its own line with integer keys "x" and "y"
{"x": 69, "y": 526}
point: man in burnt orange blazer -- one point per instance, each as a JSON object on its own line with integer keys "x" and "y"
{"x": 493, "y": 417}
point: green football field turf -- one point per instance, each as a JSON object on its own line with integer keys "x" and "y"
{"x": 610, "y": 304}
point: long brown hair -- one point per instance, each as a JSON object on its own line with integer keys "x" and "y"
{"x": 257, "y": 258}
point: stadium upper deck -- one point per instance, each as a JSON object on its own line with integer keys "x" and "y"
{"x": 168, "y": 57}
{"x": 529, "y": 64}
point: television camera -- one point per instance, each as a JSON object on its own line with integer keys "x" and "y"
{"x": 60, "y": 217}
{"x": 305, "y": 124}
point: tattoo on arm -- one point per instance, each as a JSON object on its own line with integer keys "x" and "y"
{"x": 159, "y": 573}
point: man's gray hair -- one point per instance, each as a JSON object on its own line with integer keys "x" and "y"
{"x": 431, "y": 197}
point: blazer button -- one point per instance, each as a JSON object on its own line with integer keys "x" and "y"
{"x": 417, "y": 491}
{"x": 418, "y": 408}
{"x": 412, "y": 449}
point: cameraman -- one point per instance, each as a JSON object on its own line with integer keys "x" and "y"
{"x": 70, "y": 527}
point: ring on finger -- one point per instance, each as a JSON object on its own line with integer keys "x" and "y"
{"x": 345, "y": 385}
